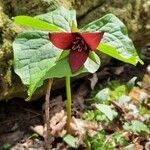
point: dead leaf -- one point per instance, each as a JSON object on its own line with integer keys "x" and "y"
{"x": 147, "y": 146}
{"x": 135, "y": 146}
{"x": 138, "y": 94}
{"x": 93, "y": 81}
{"x": 138, "y": 146}
{"x": 146, "y": 83}
{"x": 148, "y": 69}
{"x": 118, "y": 107}
{"x": 39, "y": 129}
{"x": 57, "y": 123}
{"x": 80, "y": 127}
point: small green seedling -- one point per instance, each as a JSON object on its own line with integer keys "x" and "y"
{"x": 56, "y": 48}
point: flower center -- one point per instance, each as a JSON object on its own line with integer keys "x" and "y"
{"x": 79, "y": 45}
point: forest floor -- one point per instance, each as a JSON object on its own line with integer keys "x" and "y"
{"x": 110, "y": 111}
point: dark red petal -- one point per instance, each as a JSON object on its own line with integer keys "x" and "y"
{"x": 62, "y": 40}
{"x": 77, "y": 59}
{"x": 92, "y": 39}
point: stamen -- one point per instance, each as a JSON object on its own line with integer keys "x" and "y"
{"x": 82, "y": 42}
{"x": 85, "y": 47}
{"x": 79, "y": 49}
{"x": 79, "y": 45}
{"x": 78, "y": 38}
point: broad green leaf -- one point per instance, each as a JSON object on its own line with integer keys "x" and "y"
{"x": 60, "y": 17}
{"x": 34, "y": 55}
{"x": 35, "y": 23}
{"x": 70, "y": 140}
{"x": 113, "y": 52}
{"x": 62, "y": 68}
{"x": 106, "y": 109}
{"x": 102, "y": 95}
{"x": 58, "y": 20}
{"x": 115, "y": 42}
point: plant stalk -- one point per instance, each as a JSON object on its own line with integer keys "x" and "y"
{"x": 47, "y": 118}
{"x": 68, "y": 104}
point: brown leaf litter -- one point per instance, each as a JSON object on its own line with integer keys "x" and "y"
{"x": 78, "y": 127}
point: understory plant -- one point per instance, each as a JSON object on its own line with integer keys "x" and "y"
{"x": 54, "y": 47}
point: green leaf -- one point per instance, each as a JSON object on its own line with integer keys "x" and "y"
{"x": 6, "y": 146}
{"x": 35, "y": 23}
{"x": 119, "y": 139}
{"x": 116, "y": 89}
{"x": 98, "y": 142}
{"x": 63, "y": 55}
{"x": 102, "y": 95}
{"x": 60, "y": 17}
{"x": 106, "y": 109}
{"x": 70, "y": 140}
{"x": 34, "y": 55}
{"x": 131, "y": 83}
{"x": 136, "y": 126}
{"x": 62, "y": 68}
{"x": 122, "y": 56}
{"x": 119, "y": 91}
{"x": 115, "y": 42}
{"x": 58, "y": 20}
{"x": 89, "y": 115}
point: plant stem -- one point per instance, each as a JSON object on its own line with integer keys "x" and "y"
{"x": 68, "y": 104}
{"x": 47, "y": 118}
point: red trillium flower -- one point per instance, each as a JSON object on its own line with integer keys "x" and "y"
{"x": 79, "y": 45}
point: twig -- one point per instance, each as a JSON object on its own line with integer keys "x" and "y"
{"x": 47, "y": 118}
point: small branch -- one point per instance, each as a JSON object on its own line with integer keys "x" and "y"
{"x": 47, "y": 118}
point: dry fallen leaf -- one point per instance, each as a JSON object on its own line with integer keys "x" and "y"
{"x": 148, "y": 69}
{"x": 57, "y": 123}
{"x": 93, "y": 81}
{"x": 138, "y": 94}
{"x": 147, "y": 145}
{"x": 146, "y": 83}
{"x": 80, "y": 127}
{"x": 39, "y": 129}
{"x": 135, "y": 146}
